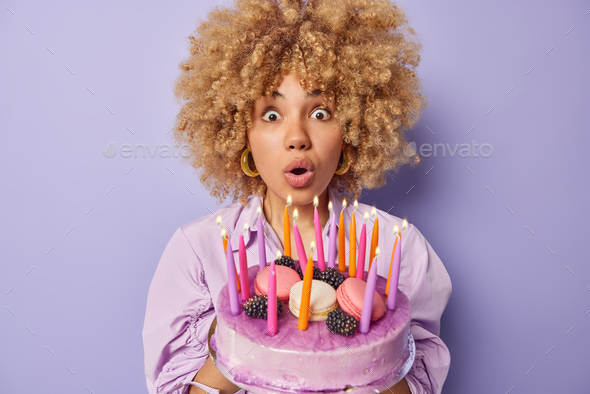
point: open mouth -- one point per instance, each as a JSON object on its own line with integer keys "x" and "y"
{"x": 299, "y": 171}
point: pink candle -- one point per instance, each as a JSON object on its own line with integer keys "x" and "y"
{"x": 244, "y": 278}
{"x": 394, "y": 282}
{"x": 332, "y": 243}
{"x": 271, "y": 312}
{"x": 261, "y": 241}
{"x": 298, "y": 242}
{"x": 232, "y": 284}
{"x": 369, "y": 297}
{"x": 318, "y": 235}
{"x": 360, "y": 266}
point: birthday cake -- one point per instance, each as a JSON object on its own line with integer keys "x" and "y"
{"x": 330, "y": 355}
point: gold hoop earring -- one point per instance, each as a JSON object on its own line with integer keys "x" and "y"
{"x": 246, "y": 167}
{"x": 345, "y": 165}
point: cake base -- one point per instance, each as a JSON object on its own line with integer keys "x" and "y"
{"x": 376, "y": 387}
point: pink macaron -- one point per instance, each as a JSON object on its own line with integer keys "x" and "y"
{"x": 351, "y": 294}
{"x": 286, "y": 278}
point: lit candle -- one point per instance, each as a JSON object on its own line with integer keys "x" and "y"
{"x": 395, "y": 234}
{"x": 360, "y": 271}
{"x": 374, "y": 236}
{"x": 393, "y": 285}
{"x": 286, "y": 229}
{"x": 298, "y": 242}
{"x": 341, "y": 240}
{"x": 232, "y": 284}
{"x": 318, "y": 235}
{"x": 306, "y": 292}
{"x": 261, "y": 242}
{"x": 271, "y": 312}
{"x": 244, "y": 277}
{"x": 223, "y": 233}
{"x": 332, "y": 239}
{"x": 224, "y": 237}
{"x": 369, "y": 297}
{"x": 352, "y": 241}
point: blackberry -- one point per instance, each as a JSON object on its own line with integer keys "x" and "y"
{"x": 333, "y": 277}
{"x": 317, "y": 273}
{"x": 257, "y": 306}
{"x": 286, "y": 261}
{"x": 340, "y": 322}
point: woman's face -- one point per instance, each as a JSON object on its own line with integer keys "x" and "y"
{"x": 295, "y": 143}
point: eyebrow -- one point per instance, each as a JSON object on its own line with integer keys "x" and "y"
{"x": 313, "y": 94}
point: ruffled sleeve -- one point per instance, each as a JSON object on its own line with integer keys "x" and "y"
{"x": 429, "y": 297}
{"x": 179, "y": 312}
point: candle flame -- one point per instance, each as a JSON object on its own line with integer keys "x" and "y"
{"x": 344, "y": 203}
{"x": 245, "y": 226}
{"x": 279, "y": 254}
{"x": 316, "y": 202}
{"x": 223, "y": 234}
{"x": 366, "y": 215}
{"x": 395, "y": 230}
{"x": 295, "y": 214}
{"x": 405, "y": 224}
{"x": 356, "y": 204}
{"x": 289, "y": 200}
{"x": 259, "y": 210}
{"x": 219, "y": 220}
{"x": 377, "y": 251}
{"x": 312, "y": 247}
{"x": 330, "y": 206}
{"x": 373, "y": 212}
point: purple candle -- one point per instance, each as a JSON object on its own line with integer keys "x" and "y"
{"x": 394, "y": 281}
{"x": 318, "y": 235}
{"x": 369, "y": 296}
{"x": 232, "y": 284}
{"x": 332, "y": 243}
{"x": 261, "y": 241}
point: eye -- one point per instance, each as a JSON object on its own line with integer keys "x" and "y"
{"x": 273, "y": 115}
{"x": 320, "y": 115}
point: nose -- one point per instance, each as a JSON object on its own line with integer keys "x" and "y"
{"x": 297, "y": 137}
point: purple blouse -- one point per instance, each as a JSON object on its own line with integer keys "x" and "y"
{"x": 183, "y": 294}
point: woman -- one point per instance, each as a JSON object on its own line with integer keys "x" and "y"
{"x": 289, "y": 99}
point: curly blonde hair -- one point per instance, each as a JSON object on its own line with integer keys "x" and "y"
{"x": 360, "y": 53}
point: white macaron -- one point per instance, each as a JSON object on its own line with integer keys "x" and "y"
{"x": 322, "y": 301}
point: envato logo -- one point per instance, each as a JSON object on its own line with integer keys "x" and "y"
{"x": 164, "y": 151}
{"x": 465, "y": 150}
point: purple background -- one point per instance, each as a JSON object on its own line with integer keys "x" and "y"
{"x": 517, "y": 293}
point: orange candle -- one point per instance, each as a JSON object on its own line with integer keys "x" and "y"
{"x": 352, "y": 252}
{"x": 224, "y": 236}
{"x": 306, "y": 292}
{"x": 341, "y": 240}
{"x": 396, "y": 235}
{"x": 286, "y": 229}
{"x": 374, "y": 237}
